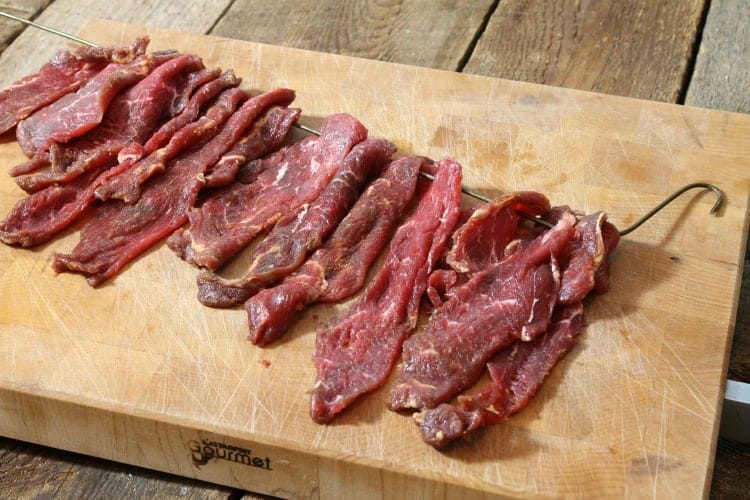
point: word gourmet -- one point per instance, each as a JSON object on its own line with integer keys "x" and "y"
{"x": 207, "y": 450}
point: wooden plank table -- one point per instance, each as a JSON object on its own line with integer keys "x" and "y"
{"x": 630, "y": 48}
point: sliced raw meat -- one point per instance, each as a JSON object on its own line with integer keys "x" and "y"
{"x": 127, "y": 185}
{"x": 356, "y": 353}
{"x": 298, "y": 234}
{"x": 120, "y": 232}
{"x": 231, "y": 217}
{"x": 132, "y": 117}
{"x": 75, "y": 114}
{"x": 510, "y": 300}
{"x": 482, "y": 239}
{"x": 516, "y": 373}
{"x": 337, "y": 269}
{"x": 277, "y": 122}
{"x": 63, "y": 74}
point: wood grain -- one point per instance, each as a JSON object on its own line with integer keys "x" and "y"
{"x": 29, "y": 471}
{"x": 721, "y": 79}
{"x": 34, "y": 47}
{"x": 636, "y": 48}
{"x": 731, "y": 474}
{"x": 171, "y": 372}
{"x": 27, "y": 9}
{"x": 419, "y": 32}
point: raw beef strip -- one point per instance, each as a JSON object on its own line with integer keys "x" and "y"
{"x": 482, "y": 239}
{"x": 510, "y": 300}
{"x": 119, "y": 232}
{"x": 298, "y": 234}
{"x": 337, "y": 269}
{"x": 516, "y": 373}
{"x": 63, "y": 74}
{"x": 75, "y": 114}
{"x": 131, "y": 117}
{"x": 355, "y": 354}
{"x": 127, "y": 185}
{"x": 276, "y": 122}
{"x": 231, "y": 217}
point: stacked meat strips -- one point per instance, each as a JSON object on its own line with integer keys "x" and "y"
{"x": 156, "y": 146}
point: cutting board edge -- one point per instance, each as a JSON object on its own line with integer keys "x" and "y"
{"x": 298, "y": 473}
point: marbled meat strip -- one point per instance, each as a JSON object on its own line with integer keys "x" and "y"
{"x": 75, "y": 114}
{"x": 126, "y": 186}
{"x": 510, "y": 300}
{"x": 481, "y": 240}
{"x": 516, "y": 374}
{"x": 119, "y": 232}
{"x": 337, "y": 270}
{"x": 276, "y": 122}
{"x": 61, "y": 75}
{"x": 130, "y": 120}
{"x": 295, "y": 236}
{"x": 355, "y": 354}
{"x": 231, "y": 217}
{"x": 103, "y": 143}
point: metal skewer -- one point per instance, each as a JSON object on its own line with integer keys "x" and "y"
{"x": 473, "y": 194}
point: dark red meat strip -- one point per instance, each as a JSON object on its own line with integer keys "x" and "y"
{"x": 132, "y": 117}
{"x": 231, "y": 217}
{"x": 297, "y": 235}
{"x": 355, "y": 354}
{"x": 482, "y": 239}
{"x": 337, "y": 269}
{"x": 127, "y": 185}
{"x": 101, "y": 145}
{"x": 277, "y": 122}
{"x": 75, "y": 114}
{"x": 120, "y": 232}
{"x": 512, "y": 299}
{"x": 516, "y": 372}
{"x": 63, "y": 74}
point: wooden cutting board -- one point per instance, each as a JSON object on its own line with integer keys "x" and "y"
{"x": 138, "y": 371}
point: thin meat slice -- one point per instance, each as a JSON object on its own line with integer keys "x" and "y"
{"x": 127, "y": 185}
{"x": 337, "y": 269}
{"x": 511, "y": 300}
{"x": 119, "y": 232}
{"x": 131, "y": 117}
{"x": 232, "y": 217}
{"x": 355, "y": 354}
{"x": 75, "y": 114}
{"x": 482, "y": 239}
{"x": 276, "y": 122}
{"x": 63, "y": 74}
{"x": 298, "y": 234}
{"x": 516, "y": 373}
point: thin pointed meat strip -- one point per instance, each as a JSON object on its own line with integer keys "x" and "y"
{"x": 294, "y": 237}
{"x": 355, "y": 354}
{"x": 174, "y": 136}
{"x": 75, "y": 114}
{"x": 516, "y": 373}
{"x": 130, "y": 120}
{"x": 233, "y": 216}
{"x": 101, "y": 145}
{"x": 511, "y": 300}
{"x": 119, "y": 232}
{"x": 61, "y": 75}
{"x": 337, "y": 270}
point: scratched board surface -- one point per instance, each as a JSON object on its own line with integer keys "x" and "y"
{"x": 138, "y": 371}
